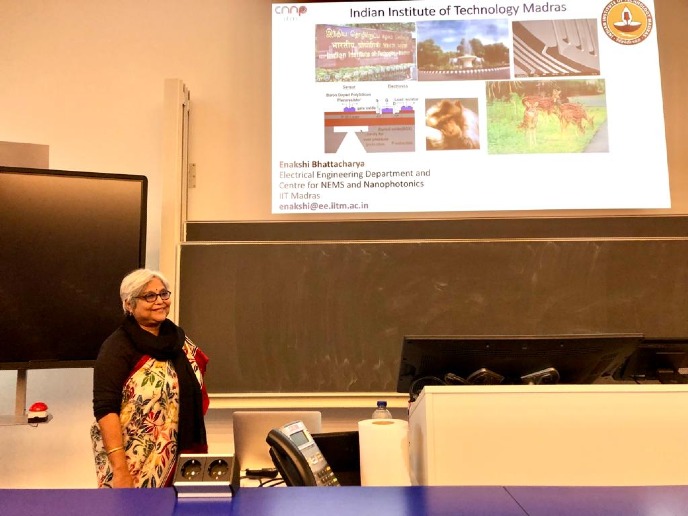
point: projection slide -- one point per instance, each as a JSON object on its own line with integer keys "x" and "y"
{"x": 487, "y": 105}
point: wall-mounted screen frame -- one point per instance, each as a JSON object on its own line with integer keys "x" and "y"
{"x": 68, "y": 239}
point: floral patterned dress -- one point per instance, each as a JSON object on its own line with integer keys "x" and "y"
{"x": 149, "y": 417}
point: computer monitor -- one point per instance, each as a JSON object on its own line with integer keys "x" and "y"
{"x": 511, "y": 359}
{"x": 663, "y": 360}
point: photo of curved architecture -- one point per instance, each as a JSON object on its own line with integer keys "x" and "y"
{"x": 556, "y": 48}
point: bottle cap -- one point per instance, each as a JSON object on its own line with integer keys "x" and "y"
{"x": 381, "y": 403}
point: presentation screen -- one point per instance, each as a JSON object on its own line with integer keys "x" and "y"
{"x": 487, "y": 105}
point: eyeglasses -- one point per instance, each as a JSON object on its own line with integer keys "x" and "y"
{"x": 150, "y": 297}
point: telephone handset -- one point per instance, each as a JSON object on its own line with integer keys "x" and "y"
{"x": 298, "y": 458}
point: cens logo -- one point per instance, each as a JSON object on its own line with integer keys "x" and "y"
{"x": 290, "y": 10}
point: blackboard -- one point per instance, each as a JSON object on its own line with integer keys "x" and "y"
{"x": 628, "y": 226}
{"x": 329, "y": 316}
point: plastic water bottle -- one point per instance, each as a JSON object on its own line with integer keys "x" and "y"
{"x": 381, "y": 411}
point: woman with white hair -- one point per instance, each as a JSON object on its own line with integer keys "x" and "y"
{"x": 149, "y": 399}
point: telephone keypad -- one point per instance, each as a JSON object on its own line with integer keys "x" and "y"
{"x": 326, "y": 477}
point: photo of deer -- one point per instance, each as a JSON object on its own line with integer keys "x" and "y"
{"x": 546, "y": 116}
{"x": 530, "y": 120}
{"x": 545, "y": 103}
{"x": 576, "y": 114}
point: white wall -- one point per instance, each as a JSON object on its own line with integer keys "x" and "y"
{"x": 87, "y": 79}
{"x": 56, "y": 454}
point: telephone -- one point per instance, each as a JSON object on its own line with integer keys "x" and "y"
{"x": 298, "y": 458}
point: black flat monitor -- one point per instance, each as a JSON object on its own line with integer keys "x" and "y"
{"x": 511, "y": 359}
{"x": 68, "y": 239}
{"x": 663, "y": 360}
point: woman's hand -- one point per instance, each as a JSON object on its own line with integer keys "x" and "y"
{"x": 122, "y": 478}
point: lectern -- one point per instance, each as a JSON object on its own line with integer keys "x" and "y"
{"x": 550, "y": 435}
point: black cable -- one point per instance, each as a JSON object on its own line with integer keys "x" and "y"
{"x": 272, "y": 482}
{"x": 261, "y": 473}
{"x": 418, "y": 384}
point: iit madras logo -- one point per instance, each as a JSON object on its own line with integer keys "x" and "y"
{"x": 627, "y": 21}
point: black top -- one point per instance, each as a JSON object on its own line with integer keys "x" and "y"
{"x": 116, "y": 359}
{"x": 120, "y": 353}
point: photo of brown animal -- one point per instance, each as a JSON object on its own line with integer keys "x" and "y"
{"x": 450, "y": 125}
{"x": 535, "y": 117}
{"x": 546, "y": 104}
{"x": 530, "y": 121}
{"x": 575, "y": 114}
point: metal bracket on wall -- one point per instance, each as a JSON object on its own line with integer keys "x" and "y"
{"x": 191, "y": 179}
{"x": 20, "y": 416}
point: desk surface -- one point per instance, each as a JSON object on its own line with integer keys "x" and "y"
{"x": 602, "y": 501}
{"x": 356, "y": 501}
